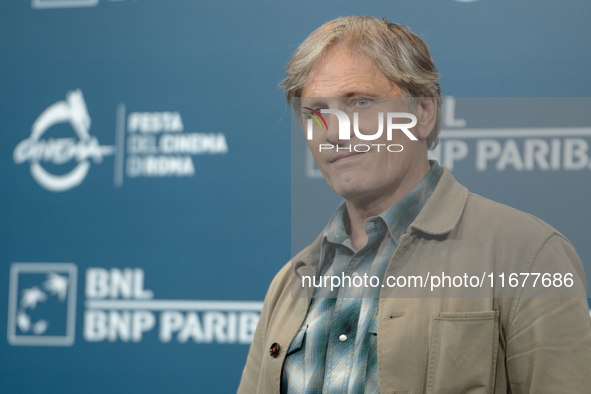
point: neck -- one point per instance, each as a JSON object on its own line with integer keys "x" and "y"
{"x": 359, "y": 209}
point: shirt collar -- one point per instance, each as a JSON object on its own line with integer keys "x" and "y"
{"x": 440, "y": 215}
{"x": 397, "y": 218}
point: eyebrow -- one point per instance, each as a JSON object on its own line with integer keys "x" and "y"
{"x": 319, "y": 101}
{"x": 313, "y": 101}
{"x": 357, "y": 93}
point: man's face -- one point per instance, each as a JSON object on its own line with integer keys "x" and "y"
{"x": 353, "y": 83}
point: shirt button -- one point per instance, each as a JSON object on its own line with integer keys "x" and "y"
{"x": 274, "y": 350}
{"x": 342, "y": 338}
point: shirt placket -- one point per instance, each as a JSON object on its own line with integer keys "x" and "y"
{"x": 341, "y": 354}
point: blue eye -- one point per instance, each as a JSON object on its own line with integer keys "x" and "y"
{"x": 362, "y": 102}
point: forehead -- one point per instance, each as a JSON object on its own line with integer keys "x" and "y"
{"x": 345, "y": 74}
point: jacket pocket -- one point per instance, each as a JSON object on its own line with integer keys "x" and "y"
{"x": 463, "y": 352}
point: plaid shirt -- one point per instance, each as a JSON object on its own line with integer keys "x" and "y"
{"x": 335, "y": 350}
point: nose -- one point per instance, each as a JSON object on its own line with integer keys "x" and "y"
{"x": 339, "y": 127}
{"x": 332, "y": 134}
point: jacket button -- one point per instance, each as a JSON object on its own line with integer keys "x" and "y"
{"x": 274, "y": 350}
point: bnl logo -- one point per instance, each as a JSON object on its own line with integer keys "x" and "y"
{"x": 42, "y": 304}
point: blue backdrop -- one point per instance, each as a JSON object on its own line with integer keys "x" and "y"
{"x": 145, "y": 170}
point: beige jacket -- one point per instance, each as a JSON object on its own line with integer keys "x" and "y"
{"x": 454, "y": 345}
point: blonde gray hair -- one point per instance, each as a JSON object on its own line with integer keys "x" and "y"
{"x": 399, "y": 53}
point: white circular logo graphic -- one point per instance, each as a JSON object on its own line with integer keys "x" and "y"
{"x": 61, "y": 150}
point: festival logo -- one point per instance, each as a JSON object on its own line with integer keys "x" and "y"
{"x": 36, "y": 149}
{"x": 156, "y": 143}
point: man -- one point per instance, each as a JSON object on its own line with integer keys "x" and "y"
{"x": 401, "y": 212}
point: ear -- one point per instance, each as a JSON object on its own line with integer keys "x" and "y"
{"x": 426, "y": 113}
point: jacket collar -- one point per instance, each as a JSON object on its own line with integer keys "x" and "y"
{"x": 443, "y": 210}
{"x": 440, "y": 215}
